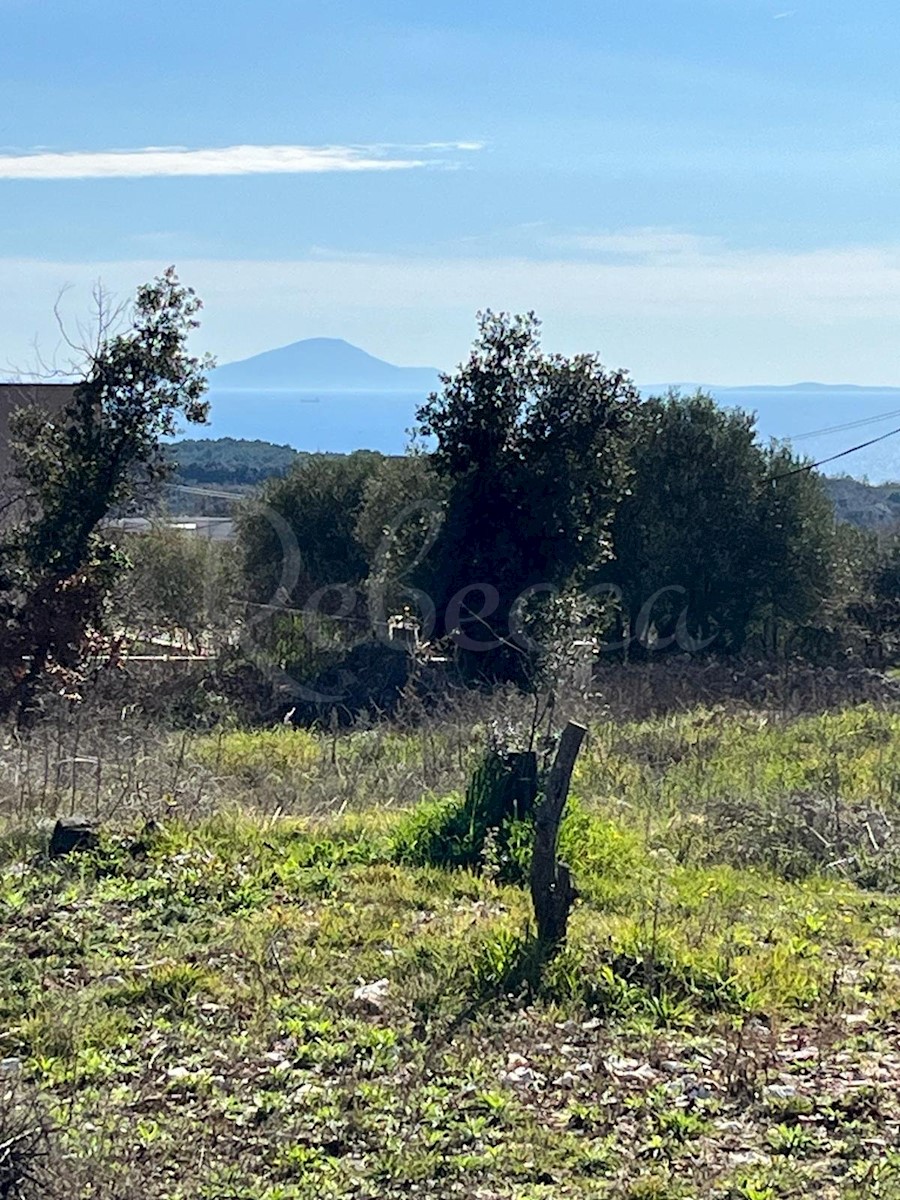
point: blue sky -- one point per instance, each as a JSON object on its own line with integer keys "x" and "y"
{"x": 699, "y": 189}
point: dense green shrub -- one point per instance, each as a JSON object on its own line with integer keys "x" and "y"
{"x": 488, "y": 826}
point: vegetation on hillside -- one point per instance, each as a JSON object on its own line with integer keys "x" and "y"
{"x": 866, "y": 505}
{"x": 230, "y": 461}
{"x": 241, "y": 462}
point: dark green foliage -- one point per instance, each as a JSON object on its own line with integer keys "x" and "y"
{"x": 315, "y": 508}
{"x": 57, "y": 569}
{"x": 401, "y": 514}
{"x": 369, "y": 677}
{"x": 875, "y": 607}
{"x": 503, "y": 786}
{"x": 794, "y": 545}
{"x": 337, "y": 542}
{"x": 491, "y": 821}
{"x": 177, "y": 585}
{"x": 717, "y": 528}
{"x": 231, "y": 461}
{"x": 136, "y": 387}
{"x": 302, "y": 568}
{"x": 533, "y": 448}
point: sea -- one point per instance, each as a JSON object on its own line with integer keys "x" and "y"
{"x": 819, "y": 421}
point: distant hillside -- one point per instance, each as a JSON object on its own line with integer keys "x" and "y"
{"x": 321, "y": 364}
{"x": 325, "y": 395}
{"x": 870, "y": 506}
{"x": 230, "y": 461}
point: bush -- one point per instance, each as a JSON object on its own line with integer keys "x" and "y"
{"x": 179, "y": 587}
{"x": 489, "y": 826}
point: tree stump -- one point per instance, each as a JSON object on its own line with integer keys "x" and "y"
{"x": 71, "y": 834}
{"x": 552, "y": 891}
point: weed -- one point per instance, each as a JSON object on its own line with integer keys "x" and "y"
{"x": 504, "y": 962}
{"x": 170, "y": 985}
{"x": 490, "y": 823}
{"x": 26, "y": 1146}
{"x": 792, "y": 1140}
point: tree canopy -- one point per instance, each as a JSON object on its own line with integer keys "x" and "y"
{"x": 137, "y": 383}
{"x": 534, "y": 451}
{"x": 717, "y": 527}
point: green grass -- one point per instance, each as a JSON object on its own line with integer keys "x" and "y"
{"x": 720, "y": 1023}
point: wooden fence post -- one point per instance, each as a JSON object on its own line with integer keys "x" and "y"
{"x": 552, "y": 892}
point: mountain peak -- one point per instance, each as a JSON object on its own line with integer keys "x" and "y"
{"x": 321, "y": 364}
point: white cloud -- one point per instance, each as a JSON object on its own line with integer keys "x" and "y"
{"x": 227, "y": 160}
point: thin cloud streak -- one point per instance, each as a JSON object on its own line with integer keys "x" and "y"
{"x": 153, "y": 161}
{"x": 645, "y": 243}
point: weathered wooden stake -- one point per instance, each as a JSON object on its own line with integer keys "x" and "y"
{"x": 552, "y": 892}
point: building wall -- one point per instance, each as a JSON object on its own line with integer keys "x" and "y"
{"x": 53, "y": 396}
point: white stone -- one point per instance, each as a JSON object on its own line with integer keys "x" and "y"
{"x": 779, "y": 1091}
{"x": 373, "y": 995}
{"x": 522, "y": 1076}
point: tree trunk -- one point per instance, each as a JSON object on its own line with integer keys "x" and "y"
{"x": 552, "y": 892}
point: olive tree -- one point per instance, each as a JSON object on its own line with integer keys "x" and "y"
{"x": 720, "y": 537}
{"x": 56, "y": 566}
{"x": 533, "y": 451}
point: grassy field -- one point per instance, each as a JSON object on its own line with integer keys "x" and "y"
{"x": 281, "y": 992}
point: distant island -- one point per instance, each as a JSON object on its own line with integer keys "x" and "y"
{"x": 323, "y": 365}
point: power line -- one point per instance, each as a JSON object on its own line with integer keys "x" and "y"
{"x": 833, "y": 457}
{"x": 842, "y": 428}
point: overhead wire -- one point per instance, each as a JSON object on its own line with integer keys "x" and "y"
{"x": 796, "y": 437}
{"x": 834, "y": 457}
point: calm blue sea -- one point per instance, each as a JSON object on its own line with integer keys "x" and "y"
{"x": 797, "y": 414}
{"x": 327, "y": 421}
{"x": 344, "y": 421}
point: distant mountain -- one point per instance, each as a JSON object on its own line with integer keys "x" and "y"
{"x": 324, "y": 365}
{"x": 807, "y": 387}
